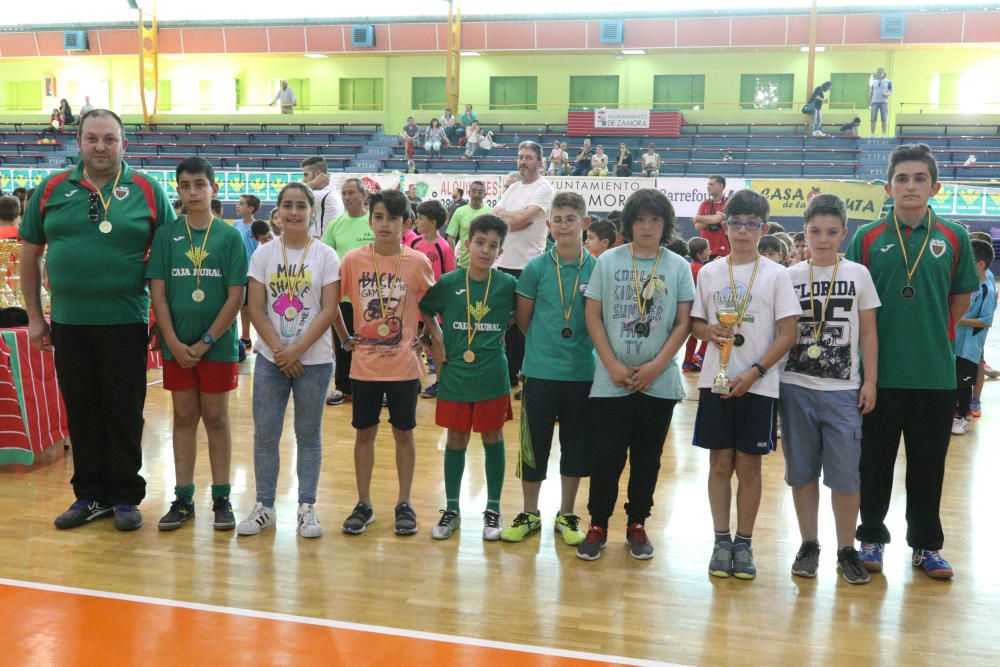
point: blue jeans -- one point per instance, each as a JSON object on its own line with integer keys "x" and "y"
{"x": 270, "y": 398}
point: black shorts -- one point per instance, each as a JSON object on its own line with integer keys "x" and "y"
{"x": 246, "y": 294}
{"x": 748, "y": 423}
{"x": 966, "y": 372}
{"x": 366, "y": 403}
{"x": 543, "y": 403}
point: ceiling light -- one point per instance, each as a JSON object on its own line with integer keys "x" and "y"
{"x": 316, "y": 55}
{"x": 633, "y": 52}
{"x": 469, "y": 54}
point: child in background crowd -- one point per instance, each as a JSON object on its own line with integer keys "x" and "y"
{"x": 431, "y": 218}
{"x": 261, "y": 232}
{"x": 970, "y": 334}
{"x": 770, "y": 246}
{"x": 975, "y": 406}
{"x": 602, "y": 235}
{"x": 700, "y": 252}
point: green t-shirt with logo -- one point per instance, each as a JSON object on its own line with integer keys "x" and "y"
{"x": 915, "y": 350}
{"x": 346, "y": 233}
{"x": 96, "y": 278}
{"x": 486, "y": 377}
{"x": 225, "y": 265}
{"x": 459, "y": 228}
{"x": 547, "y": 354}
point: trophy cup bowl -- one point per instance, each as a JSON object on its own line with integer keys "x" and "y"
{"x": 720, "y": 385}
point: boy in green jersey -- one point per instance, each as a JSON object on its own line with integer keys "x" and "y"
{"x": 198, "y": 272}
{"x": 475, "y": 305}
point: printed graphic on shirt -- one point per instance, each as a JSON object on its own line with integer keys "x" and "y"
{"x": 381, "y": 328}
{"x": 836, "y": 360}
{"x": 288, "y": 287}
{"x": 626, "y": 313}
{"x": 723, "y": 300}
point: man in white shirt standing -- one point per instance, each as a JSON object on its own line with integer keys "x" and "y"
{"x": 329, "y": 206}
{"x": 525, "y": 209}
{"x": 285, "y": 97}
{"x": 878, "y": 98}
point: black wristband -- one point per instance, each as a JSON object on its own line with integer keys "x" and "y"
{"x": 760, "y": 369}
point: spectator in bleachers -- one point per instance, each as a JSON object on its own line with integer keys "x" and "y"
{"x": 452, "y": 128}
{"x": 557, "y": 157}
{"x": 817, "y": 99}
{"x": 411, "y": 167}
{"x": 711, "y": 214}
{"x": 434, "y": 138}
{"x": 469, "y": 116}
{"x": 623, "y": 166}
{"x": 86, "y": 107}
{"x": 651, "y": 161}
{"x": 850, "y": 129}
{"x": 328, "y": 206}
{"x": 10, "y": 216}
{"x": 598, "y": 163}
{"x": 55, "y": 125}
{"x": 285, "y": 98}
{"x": 487, "y": 143}
{"x": 878, "y": 98}
{"x": 410, "y": 134}
{"x": 472, "y": 139}
{"x": 67, "y": 112}
{"x": 583, "y": 159}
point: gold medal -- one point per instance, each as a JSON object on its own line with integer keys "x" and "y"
{"x": 383, "y": 330}
{"x": 105, "y": 227}
{"x": 908, "y": 292}
{"x": 814, "y": 351}
{"x": 196, "y": 256}
{"x": 737, "y": 306}
{"x": 198, "y": 295}
{"x": 643, "y": 293}
{"x": 385, "y": 307}
{"x": 478, "y": 313}
{"x": 567, "y": 332}
{"x": 469, "y": 356}
{"x": 290, "y": 313}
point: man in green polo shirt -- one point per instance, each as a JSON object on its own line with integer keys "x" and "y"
{"x": 348, "y": 231}
{"x": 97, "y": 220}
{"x": 923, "y": 270}
{"x": 458, "y": 227}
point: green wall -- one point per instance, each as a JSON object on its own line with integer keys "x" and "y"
{"x": 962, "y": 78}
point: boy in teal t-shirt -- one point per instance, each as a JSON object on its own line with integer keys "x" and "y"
{"x": 558, "y": 368}
{"x": 475, "y": 305}
{"x": 198, "y": 273}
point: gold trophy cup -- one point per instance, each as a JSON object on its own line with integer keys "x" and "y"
{"x": 727, "y": 318}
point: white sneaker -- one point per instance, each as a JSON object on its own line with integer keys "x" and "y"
{"x": 491, "y": 526}
{"x": 308, "y": 521}
{"x": 449, "y": 523}
{"x": 260, "y": 518}
{"x": 959, "y": 426}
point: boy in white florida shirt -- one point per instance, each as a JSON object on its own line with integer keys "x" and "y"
{"x": 822, "y": 396}
{"x": 737, "y": 422}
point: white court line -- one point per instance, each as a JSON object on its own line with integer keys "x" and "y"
{"x": 340, "y": 625}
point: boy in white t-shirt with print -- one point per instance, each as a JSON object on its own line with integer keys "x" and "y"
{"x": 737, "y": 421}
{"x": 822, "y": 394}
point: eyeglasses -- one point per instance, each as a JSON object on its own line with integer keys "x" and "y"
{"x": 749, "y": 225}
{"x": 564, "y": 222}
{"x": 94, "y": 215}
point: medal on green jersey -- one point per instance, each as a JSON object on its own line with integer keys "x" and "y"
{"x": 197, "y": 257}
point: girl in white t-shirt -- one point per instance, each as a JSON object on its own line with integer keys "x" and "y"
{"x": 293, "y": 296}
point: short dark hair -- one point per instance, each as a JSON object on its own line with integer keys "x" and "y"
{"x": 317, "y": 161}
{"x": 10, "y": 208}
{"x": 679, "y": 247}
{"x": 982, "y": 236}
{"x": 100, "y": 113}
{"x": 481, "y": 183}
{"x": 195, "y": 165}
{"x": 297, "y": 185}
{"x": 216, "y": 207}
{"x": 718, "y": 178}
{"x": 253, "y": 201}
{"x": 484, "y": 224}
{"x": 259, "y": 228}
{"x": 775, "y": 228}
{"x": 395, "y": 203}
{"x": 533, "y": 145}
{"x": 654, "y": 202}
{"x": 770, "y": 243}
{"x": 604, "y": 230}
{"x": 697, "y": 245}
{"x": 748, "y": 202}
{"x": 798, "y": 236}
{"x": 983, "y": 252}
{"x": 826, "y": 204}
{"x": 567, "y": 199}
{"x": 460, "y": 192}
{"x": 434, "y": 210}
{"x": 913, "y": 153}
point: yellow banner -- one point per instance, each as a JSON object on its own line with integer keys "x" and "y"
{"x": 789, "y": 197}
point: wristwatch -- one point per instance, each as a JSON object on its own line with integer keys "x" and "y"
{"x": 208, "y": 339}
{"x": 760, "y": 369}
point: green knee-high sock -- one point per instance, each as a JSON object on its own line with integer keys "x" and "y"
{"x": 495, "y": 463}
{"x": 220, "y": 491}
{"x": 454, "y": 467}
{"x": 185, "y": 493}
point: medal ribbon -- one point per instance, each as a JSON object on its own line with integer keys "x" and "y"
{"x": 640, "y": 302}
{"x": 902, "y": 246}
{"x": 105, "y": 204}
{"x": 741, "y": 309}
{"x": 818, "y": 329}
{"x": 392, "y": 281}
{"x": 293, "y": 282}
{"x": 470, "y": 332}
{"x": 197, "y": 256}
{"x": 576, "y": 285}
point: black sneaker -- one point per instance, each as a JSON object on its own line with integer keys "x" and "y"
{"x": 639, "y": 545}
{"x": 82, "y": 512}
{"x": 849, "y": 565}
{"x": 127, "y": 517}
{"x": 361, "y": 517}
{"x": 180, "y": 513}
{"x": 224, "y": 517}
{"x": 406, "y": 519}
{"x": 590, "y": 548}
{"x": 806, "y": 560}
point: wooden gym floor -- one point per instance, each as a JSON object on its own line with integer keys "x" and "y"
{"x": 196, "y": 596}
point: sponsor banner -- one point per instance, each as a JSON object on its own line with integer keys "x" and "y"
{"x": 621, "y": 119}
{"x": 687, "y": 194}
{"x": 603, "y": 194}
{"x": 790, "y": 197}
{"x": 441, "y": 187}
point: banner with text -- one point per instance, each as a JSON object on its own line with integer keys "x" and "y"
{"x": 442, "y": 186}
{"x": 964, "y": 200}
{"x": 621, "y": 119}
{"x": 602, "y": 194}
{"x": 687, "y": 194}
{"x": 789, "y": 198}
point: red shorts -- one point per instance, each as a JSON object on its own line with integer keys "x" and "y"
{"x": 208, "y": 377}
{"x": 479, "y": 416}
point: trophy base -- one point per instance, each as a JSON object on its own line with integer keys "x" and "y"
{"x": 721, "y": 385}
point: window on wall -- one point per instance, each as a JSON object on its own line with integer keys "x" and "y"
{"x": 678, "y": 91}
{"x": 427, "y": 92}
{"x": 593, "y": 92}
{"x": 361, "y": 95}
{"x": 766, "y": 91}
{"x": 849, "y": 91}
{"x": 514, "y": 93}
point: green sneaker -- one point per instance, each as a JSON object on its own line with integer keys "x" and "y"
{"x": 568, "y": 525}
{"x": 524, "y": 524}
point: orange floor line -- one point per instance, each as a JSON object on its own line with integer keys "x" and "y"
{"x": 44, "y": 627}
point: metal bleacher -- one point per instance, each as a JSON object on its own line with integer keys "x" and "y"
{"x": 953, "y": 145}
